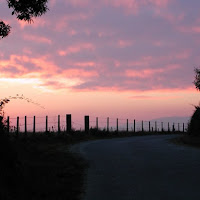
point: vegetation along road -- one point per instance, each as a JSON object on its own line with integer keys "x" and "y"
{"x": 140, "y": 168}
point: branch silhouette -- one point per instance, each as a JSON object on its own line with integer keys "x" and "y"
{"x": 4, "y": 101}
{"x": 24, "y": 10}
{"x": 197, "y": 78}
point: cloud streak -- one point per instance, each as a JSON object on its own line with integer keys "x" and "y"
{"x": 152, "y": 44}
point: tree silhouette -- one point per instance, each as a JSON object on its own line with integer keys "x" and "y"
{"x": 2, "y": 121}
{"x": 194, "y": 125}
{"x": 197, "y": 79}
{"x": 24, "y": 10}
{"x": 4, "y": 29}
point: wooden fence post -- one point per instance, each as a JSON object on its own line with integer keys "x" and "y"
{"x": 134, "y": 126}
{"x": 25, "y": 125}
{"x": 69, "y": 122}
{"x": 117, "y": 125}
{"x": 87, "y": 123}
{"x": 46, "y": 124}
{"x": 168, "y": 127}
{"x": 149, "y": 126}
{"x": 127, "y": 125}
{"x": 183, "y": 127}
{"x": 58, "y": 123}
{"x": 173, "y": 128}
{"x": 107, "y": 124}
{"x": 155, "y": 126}
{"x": 178, "y": 127}
{"x": 17, "y": 126}
{"x": 8, "y": 124}
{"x": 142, "y": 126}
{"x": 33, "y": 124}
{"x": 97, "y": 123}
{"x": 162, "y": 126}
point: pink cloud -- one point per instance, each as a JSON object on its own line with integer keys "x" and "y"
{"x": 18, "y": 63}
{"x": 45, "y": 64}
{"x": 38, "y": 22}
{"x": 173, "y": 18}
{"x": 13, "y": 64}
{"x": 117, "y": 63}
{"x": 70, "y": 18}
{"x": 142, "y": 73}
{"x": 52, "y": 3}
{"x": 148, "y": 61}
{"x": 183, "y": 55}
{"x": 196, "y": 29}
{"x": 72, "y": 32}
{"x": 45, "y": 71}
{"x": 124, "y": 43}
{"x": 76, "y": 48}
{"x": 56, "y": 85}
{"x": 155, "y": 97}
{"x": 145, "y": 61}
{"x": 85, "y": 64}
{"x": 127, "y": 4}
{"x": 104, "y": 34}
{"x": 44, "y": 68}
{"x": 147, "y": 73}
{"x": 189, "y": 29}
{"x": 71, "y": 73}
{"x": 37, "y": 39}
{"x": 160, "y": 3}
{"x": 133, "y": 6}
{"x": 27, "y": 51}
{"x": 78, "y": 3}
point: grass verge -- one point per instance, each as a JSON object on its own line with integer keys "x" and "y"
{"x": 193, "y": 141}
{"x": 38, "y": 167}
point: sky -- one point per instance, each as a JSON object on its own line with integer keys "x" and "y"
{"x": 106, "y": 58}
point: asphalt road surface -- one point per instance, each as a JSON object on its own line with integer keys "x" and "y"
{"x": 140, "y": 168}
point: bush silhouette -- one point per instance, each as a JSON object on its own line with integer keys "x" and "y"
{"x": 2, "y": 120}
{"x": 194, "y": 125}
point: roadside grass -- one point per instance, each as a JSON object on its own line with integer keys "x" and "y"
{"x": 187, "y": 140}
{"x": 40, "y": 166}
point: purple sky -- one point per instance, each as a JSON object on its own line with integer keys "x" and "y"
{"x": 140, "y": 47}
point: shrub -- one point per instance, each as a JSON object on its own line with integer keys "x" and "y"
{"x": 194, "y": 125}
{"x": 2, "y": 120}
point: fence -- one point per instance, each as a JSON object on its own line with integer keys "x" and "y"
{"x": 64, "y": 123}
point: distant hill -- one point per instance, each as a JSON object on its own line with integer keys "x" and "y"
{"x": 174, "y": 119}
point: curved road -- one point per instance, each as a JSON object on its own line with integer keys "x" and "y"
{"x": 140, "y": 168}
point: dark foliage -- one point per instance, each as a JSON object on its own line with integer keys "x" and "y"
{"x": 197, "y": 79}
{"x": 24, "y": 10}
{"x": 2, "y": 125}
{"x": 2, "y": 120}
{"x": 194, "y": 125}
{"x": 27, "y": 9}
{"x": 4, "y": 29}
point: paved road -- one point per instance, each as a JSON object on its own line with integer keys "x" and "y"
{"x": 140, "y": 168}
